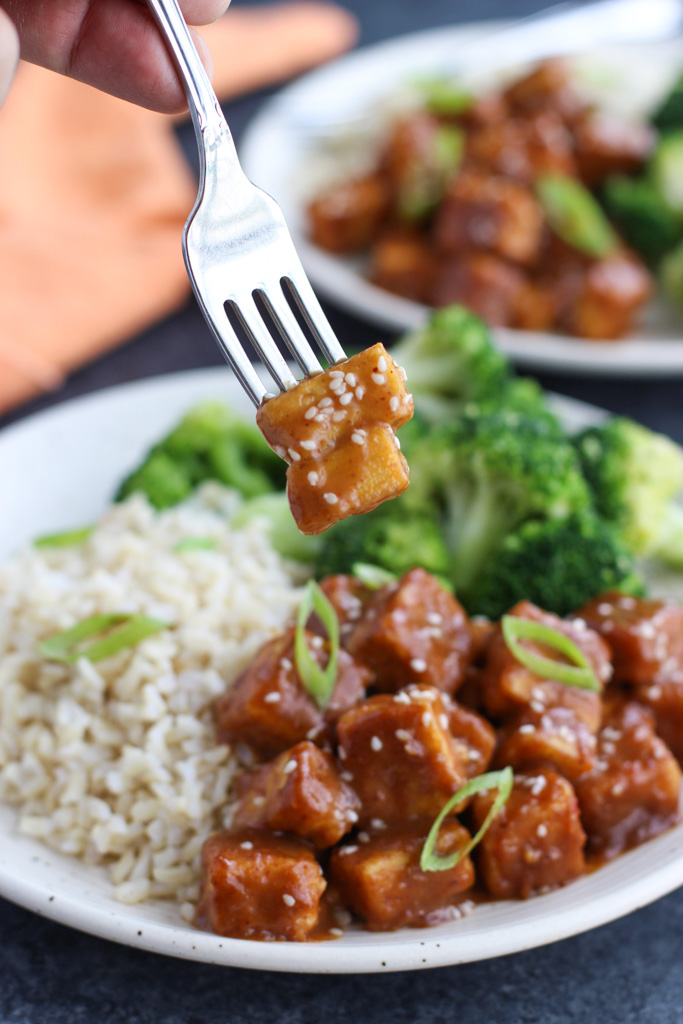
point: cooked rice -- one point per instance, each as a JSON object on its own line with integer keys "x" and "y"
{"x": 116, "y": 762}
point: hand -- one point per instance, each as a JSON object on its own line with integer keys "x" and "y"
{"x": 113, "y": 45}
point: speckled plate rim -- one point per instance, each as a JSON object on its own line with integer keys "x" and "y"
{"x": 276, "y": 157}
{"x": 76, "y": 452}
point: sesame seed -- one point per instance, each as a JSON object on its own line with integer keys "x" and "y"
{"x": 317, "y": 642}
{"x": 346, "y": 777}
{"x": 330, "y": 498}
{"x": 246, "y": 845}
{"x": 542, "y": 831}
{"x": 341, "y": 753}
{"x": 397, "y": 442}
{"x": 402, "y": 372}
{"x": 443, "y": 721}
{"x": 286, "y": 664}
{"x": 654, "y": 692}
{"x": 378, "y": 378}
{"x": 604, "y": 608}
{"x": 360, "y": 391}
{"x": 357, "y": 438}
{"x": 339, "y": 415}
{"x": 258, "y": 801}
{"x": 377, "y": 823}
{"x": 294, "y": 455}
{"x": 401, "y": 698}
{"x": 473, "y": 755}
{"x": 346, "y": 850}
{"x": 382, "y": 364}
{"x": 376, "y": 743}
{"x": 363, "y": 837}
{"x": 279, "y": 450}
{"x": 289, "y": 767}
{"x": 272, "y": 698}
{"x": 393, "y": 403}
{"x": 351, "y": 816}
{"x": 618, "y": 788}
{"x": 310, "y": 413}
{"x": 320, "y": 418}
{"x": 434, "y": 619}
{"x": 538, "y": 784}
{"x": 325, "y": 402}
{"x": 537, "y": 706}
{"x": 313, "y": 478}
{"x": 288, "y": 900}
{"x": 403, "y": 735}
{"x": 350, "y": 379}
{"x": 345, "y": 399}
{"x": 418, "y": 665}
{"x": 308, "y": 446}
{"x": 336, "y": 374}
{"x": 526, "y": 729}
{"x": 336, "y": 932}
{"x": 337, "y": 385}
{"x": 426, "y": 718}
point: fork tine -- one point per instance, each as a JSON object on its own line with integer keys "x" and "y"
{"x": 231, "y": 348}
{"x": 310, "y": 308}
{"x": 295, "y": 339}
{"x": 262, "y": 340}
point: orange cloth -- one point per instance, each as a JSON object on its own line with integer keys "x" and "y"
{"x": 94, "y": 193}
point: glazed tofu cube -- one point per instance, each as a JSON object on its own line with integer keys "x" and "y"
{"x": 508, "y": 687}
{"x": 337, "y": 432}
{"x": 555, "y": 736}
{"x": 269, "y": 709}
{"x": 414, "y": 631}
{"x": 535, "y": 307}
{"x": 607, "y": 145}
{"x": 612, "y": 292}
{"x": 546, "y": 87}
{"x": 403, "y": 263}
{"x": 646, "y": 636}
{"x": 474, "y": 739}
{"x": 523, "y": 148}
{"x": 347, "y": 217}
{"x": 381, "y": 880}
{"x": 536, "y": 842}
{"x": 349, "y": 597}
{"x": 300, "y": 792}
{"x": 484, "y": 283}
{"x": 665, "y": 701}
{"x": 489, "y": 214}
{"x": 632, "y": 793}
{"x": 256, "y": 885}
{"x": 399, "y": 756}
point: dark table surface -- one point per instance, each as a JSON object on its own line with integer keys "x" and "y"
{"x": 628, "y": 972}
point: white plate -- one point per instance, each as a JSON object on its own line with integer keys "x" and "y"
{"x": 278, "y": 157}
{"x": 58, "y": 470}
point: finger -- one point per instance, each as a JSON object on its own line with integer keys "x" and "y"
{"x": 203, "y": 12}
{"x": 9, "y": 54}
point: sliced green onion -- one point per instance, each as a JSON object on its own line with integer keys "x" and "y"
{"x": 68, "y": 539}
{"x": 443, "y": 96}
{"x": 112, "y": 633}
{"x": 503, "y": 780}
{"x": 373, "y": 576}
{"x": 318, "y": 682}
{"x": 195, "y": 544}
{"x": 575, "y": 215}
{"x": 579, "y": 674}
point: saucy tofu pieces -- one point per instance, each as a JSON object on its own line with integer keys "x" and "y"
{"x": 536, "y": 842}
{"x": 382, "y": 882}
{"x": 337, "y": 432}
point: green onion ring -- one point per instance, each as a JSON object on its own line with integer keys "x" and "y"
{"x": 373, "y": 576}
{"x": 114, "y": 633}
{"x": 70, "y": 538}
{"x": 195, "y": 544}
{"x": 503, "y": 781}
{"x": 579, "y": 674}
{"x": 318, "y": 682}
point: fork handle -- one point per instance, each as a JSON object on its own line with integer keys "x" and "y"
{"x": 207, "y": 116}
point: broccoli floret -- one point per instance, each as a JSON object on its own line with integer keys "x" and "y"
{"x": 671, "y": 275}
{"x": 283, "y": 532}
{"x": 387, "y": 538}
{"x": 635, "y": 475}
{"x": 499, "y": 470}
{"x": 666, "y": 171}
{"x": 557, "y": 563}
{"x": 209, "y": 443}
{"x": 669, "y": 114}
{"x": 642, "y": 216}
{"x": 450, "y": 362}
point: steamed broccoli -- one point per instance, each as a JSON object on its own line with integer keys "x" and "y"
{"x": 635, "y": 475}
{"x": 669, "y": 114}
{"x": 451, "y": 361}
{"x": 209, "y": 443}
{"x": 283, "y": 533}
{"x": 557, "y": 563}
{"x": 499, "y": 469}
{"x": 666, "y": 171}
{"x": 387, "y": 538}
{"x": 642, "y": 216}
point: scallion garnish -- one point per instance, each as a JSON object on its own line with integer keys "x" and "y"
{"x": 318, "y": 681}
{"x": 68, "y": 539}
{"x": 195, "y": 544}
{"x": 373, "y": 576}
{"x": 503, "y": 780}
{"x": 112, "y": 633}
{"x": 579, "y": 674}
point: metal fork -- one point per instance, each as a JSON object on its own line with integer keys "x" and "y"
{"x": 236, "y": 244}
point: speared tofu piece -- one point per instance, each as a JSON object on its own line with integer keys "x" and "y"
{"x": 269, "y": 709}
{"x": 382, "y": 882}
{"x": 535, "y": 842}
{"x": 256, "y": 885}
{"x": 300, "y": 792}
{"x": 633, "y": 791}
{"x": 398, "y": 755}
{"x": 337, "y": 431}
{"x": 414, "y": 631}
